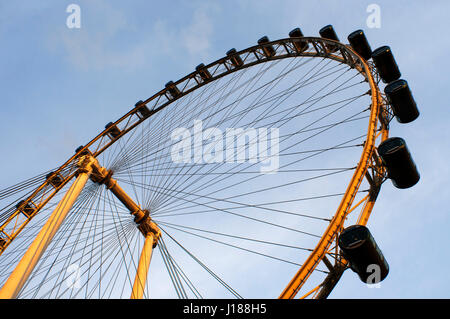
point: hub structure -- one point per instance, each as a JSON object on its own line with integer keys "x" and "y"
{"x": 88, "y": 168}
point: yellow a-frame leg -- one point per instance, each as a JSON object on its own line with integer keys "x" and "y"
{"x": 24, "y": 268}
{"x": 144, "y": 264}
{"x": 90, "y": 168}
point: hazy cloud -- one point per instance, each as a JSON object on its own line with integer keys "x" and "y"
{"x": 98, "y": 44}
{"x": 196, "y": 37}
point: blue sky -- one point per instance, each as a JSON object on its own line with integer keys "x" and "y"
{"x": 60, "y": 86}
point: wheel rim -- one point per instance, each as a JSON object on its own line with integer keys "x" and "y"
{"x": 110, "y": 150}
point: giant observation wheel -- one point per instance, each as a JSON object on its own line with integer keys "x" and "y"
{"x": 238, "y": 180}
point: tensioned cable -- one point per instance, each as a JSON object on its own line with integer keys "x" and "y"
{"x": 241, "y": 248}
{"x": 215, "y": 276}
{"x": 216, "y": 181}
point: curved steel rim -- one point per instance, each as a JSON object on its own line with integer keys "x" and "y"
{"x": 283, "y": 48}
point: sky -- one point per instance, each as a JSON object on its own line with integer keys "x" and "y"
{"x": 60, "y": 86}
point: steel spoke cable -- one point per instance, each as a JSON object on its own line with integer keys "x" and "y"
{"x": 235, "y": 102}
{"x": 349, "y": 120}
{"x": 188, "y": 179}
{"x": 227, "y": 106}
{"x": 241, "y": 248}
{"x": 130, "y": 233}
{"x": 161, "y": 122}
{"x": 21, "y": 186}
{"x": 234, "y": 85}
{"x": 235, "y": 105}
{"x": 258, "y": 172}
{"x": 215, "y": 276}
{"x": 127, "y": 250}
{"x": 175, "y": 271}
{"x": 249, "y": 218}
{"x": 238, "y": 75}
{"x": 60, "y": 236}
{"x": 183, "y": 275}
{"x": 159, "y": 222}
{"x": 214, "y": 199}
{"x": 170, "y": 271}
{"x": 315, "y": 121}
{"x": 175, "y": 205}
{"x": 259, "y": 207}
{"x": 168, "y": 213}
{"x": 283, "y": 166}
{"x": 343, "y": 143}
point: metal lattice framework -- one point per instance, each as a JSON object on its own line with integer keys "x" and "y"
{"x": 369, "y": 166}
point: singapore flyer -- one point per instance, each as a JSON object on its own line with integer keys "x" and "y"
{"x": 219, "y": 157}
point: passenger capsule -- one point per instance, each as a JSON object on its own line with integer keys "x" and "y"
{"x": 365, "y": 258}
{"x": 234, "y": 58}
{"x": 386, "y": 65}
{"x": 113, "y": 130}
{"x": 359, "y": 43}
{"x": 327, "y": 32}
{"x": 79, "y": 148}
{"x": 268, "y": 49}
{"x": 172, "y": 89}
{"x": 398, "y": 162}
{"x": 203, "y": 72}
{"x": 54, "y": 179}
{"x": 300, "y": 45}
{"x": 25, "y": 208}
{"x": 142, "y": 109}
{"x": 401, "y": 100}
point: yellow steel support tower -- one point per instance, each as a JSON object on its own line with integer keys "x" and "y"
{"x": 89, "y": 168}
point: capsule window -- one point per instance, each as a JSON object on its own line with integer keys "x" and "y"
{"x": 356, "y": 236}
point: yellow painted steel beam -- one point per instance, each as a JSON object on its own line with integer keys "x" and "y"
{"x": 143, "y": 266}
{"x": 369, "y": 202}
{"x": 310, "y": 293}
{"x": 316, "y": 256}
{"x": 146, "y": 226}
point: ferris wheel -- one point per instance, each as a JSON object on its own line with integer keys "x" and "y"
{"x": 253, "y": 176}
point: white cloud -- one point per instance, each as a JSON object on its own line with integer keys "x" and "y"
{"x": 96, "y": 44}
{"x": 196, "y": 37}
